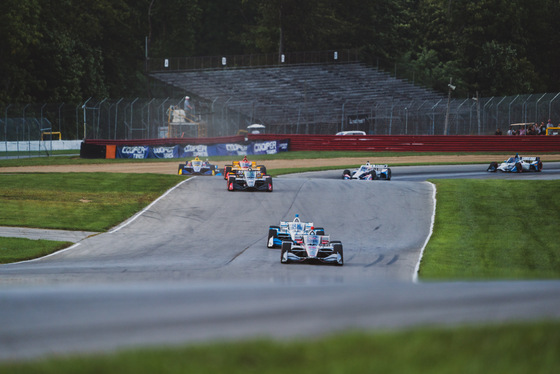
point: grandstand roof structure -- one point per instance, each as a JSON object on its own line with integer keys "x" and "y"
{"x": 290, "y": 94}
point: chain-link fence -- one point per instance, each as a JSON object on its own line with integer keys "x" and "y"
{"x": 141, "y": 118}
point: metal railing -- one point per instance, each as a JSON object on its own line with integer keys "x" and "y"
{"x": 251, "y": 60}
{"x": 141, "y": 118}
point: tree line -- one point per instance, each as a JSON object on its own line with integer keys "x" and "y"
{"x": 69, "y": 50}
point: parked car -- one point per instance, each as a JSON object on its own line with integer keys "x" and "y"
{"x": 353, "y": 132}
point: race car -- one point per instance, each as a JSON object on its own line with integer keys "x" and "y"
{"x": 243, "y": 165}
{"x": 290, "y": 231}
{"x": 198, "y": 167}
{"x": 249, "y": 180}
{"x": 313, "y": 248}
{"x": 368, "y": 172}
{"x": 517, "y": 164}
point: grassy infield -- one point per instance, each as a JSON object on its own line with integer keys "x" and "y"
{"x": 484, "y": 229}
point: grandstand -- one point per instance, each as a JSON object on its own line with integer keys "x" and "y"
{"x": 316, "y": 98}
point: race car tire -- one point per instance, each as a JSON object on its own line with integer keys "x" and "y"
{"x": 388, "y": 174}
{"x": 272, "y": 233}
{"x": 493, "y": 167}
{"x": 373, "y": 175}
{"x": 269, "y": 184}
{"x": 180, "y": 169}
{"x": 286, "y": 246}
{"x": 338, "y": 249}
{"x": 230, "y": 182}
{"x": 518, "y": 167}
{"x": 346, "y": 174}
{"x": 539, "y": 166}
{"x": 227, "y": 170}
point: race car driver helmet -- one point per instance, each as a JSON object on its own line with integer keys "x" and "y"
{"x": 244, "y": 163}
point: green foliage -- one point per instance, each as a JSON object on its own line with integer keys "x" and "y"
{"x": 70, "y": 50}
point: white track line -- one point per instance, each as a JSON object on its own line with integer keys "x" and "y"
{"x": 133, "y": 218}
{"x": 49, "y": 255}
{"x": 417, "y": 268}
{"x": 124, "y": 224}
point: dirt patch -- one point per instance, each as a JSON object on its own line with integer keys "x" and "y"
{"x": 171, "y": 168}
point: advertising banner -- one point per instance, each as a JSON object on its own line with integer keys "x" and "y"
{"x": 201, "y": 150}
{"x": 139, "y": 151}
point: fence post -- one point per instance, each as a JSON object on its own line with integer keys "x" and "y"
{"x": 6, "y": 127}
{"x": 484, "y": 112}
{"x": 117, "y": 116}
{"x": 550, "y": 105}
{"x": 537, "y": 108}
{"x": 498, "y": 111}
{"x": 84, "y": 108}
{"x": 509, "y": 110}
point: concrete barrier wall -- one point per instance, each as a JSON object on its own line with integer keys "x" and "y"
{"x": 26, "y": 146}
{"x": 376, "y": 143}
{"x": 420, "y": 143}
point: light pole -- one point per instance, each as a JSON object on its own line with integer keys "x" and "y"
{"x": 477, "y": 101}
{"x": 451, "y": 88}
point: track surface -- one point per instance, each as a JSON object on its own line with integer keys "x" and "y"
{"x": 194, "y": 267}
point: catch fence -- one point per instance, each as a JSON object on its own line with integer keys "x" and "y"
{"x": 141, "y": 118}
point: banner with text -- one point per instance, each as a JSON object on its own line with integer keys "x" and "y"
{"x": 200, "y": 150}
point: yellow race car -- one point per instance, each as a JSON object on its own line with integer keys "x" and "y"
{"x": 240, "y": 166}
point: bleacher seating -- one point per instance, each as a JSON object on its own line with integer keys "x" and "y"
{"x": 298, "y": 93}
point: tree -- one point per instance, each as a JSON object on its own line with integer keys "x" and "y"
{"x": 19, "y": 35}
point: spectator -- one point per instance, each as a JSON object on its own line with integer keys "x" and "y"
{"x": 511, "y": 131}
{"x": 498, "y": 132}
{"x": 549, "y": 124}
{"x": 187, "y": 106}
{"x": 533, "y": 130}
{"x": 523, "y": 131}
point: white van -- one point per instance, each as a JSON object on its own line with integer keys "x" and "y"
{"x": 354, "y": 132}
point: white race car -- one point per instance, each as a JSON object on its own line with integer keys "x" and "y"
{"x": 517, "y": 164}
{"x": 249, "y": 180}
{"x": 313, "y": 248}
{"x": 368, "y": 172}
{"x": 290, "y": 230}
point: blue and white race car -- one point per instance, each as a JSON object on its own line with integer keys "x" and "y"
{"x": 290, "y": 231}
{"x": 198, "y": 167}
{"x": 313, "y": 248}
{"x": 368, "y": 172}
{"x": 517, "y": 164}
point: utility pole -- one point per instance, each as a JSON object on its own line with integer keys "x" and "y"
{"x": 451, "y": 88}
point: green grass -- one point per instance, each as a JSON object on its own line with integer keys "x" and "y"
{"x": 494, "y": 229}
{"x": 483, "y": 229}
{"x": 77, "y": 201}
{"x": 510, "y": 348}
{"x": 21, "y": 249}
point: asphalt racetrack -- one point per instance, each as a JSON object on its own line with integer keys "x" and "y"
{"x": 194, "y": 267}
